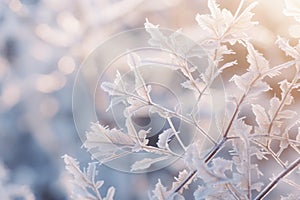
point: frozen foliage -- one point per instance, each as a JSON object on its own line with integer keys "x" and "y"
{"x": 233, "y": 167}
{"x": 84, "y": 184}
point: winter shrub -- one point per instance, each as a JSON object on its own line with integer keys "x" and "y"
{"x": 254, "y": 147}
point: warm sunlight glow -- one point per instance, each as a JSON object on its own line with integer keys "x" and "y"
{"x": 66, "y": 65}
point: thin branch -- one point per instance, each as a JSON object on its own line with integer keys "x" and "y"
{"x": 271, "y": 153}
{"x": 275, "y": 137}
{"x": 170, "y": 112}
{"x": 273, "y": 184}
{"x": 176, "y": 133}
{"x": 281, "y": 106}
{"x": 189, "y": 177}
{"x": 234, "y": 192}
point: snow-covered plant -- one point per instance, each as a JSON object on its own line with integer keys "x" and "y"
{"x": 84, "y": 185}
{"x": 255, "y": 147}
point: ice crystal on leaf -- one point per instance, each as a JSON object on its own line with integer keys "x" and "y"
{"x": 164, "y": 138}
{"x": 257, "y": 129}
{"x": 146, "y": 163}
{"x": 160, "y": 191}
{"x": 84, "y": 184}
{"x": 223, "y": 25}
{"x": 292, "y": 9}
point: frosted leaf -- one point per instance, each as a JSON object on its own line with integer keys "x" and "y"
{"x": 207, "y": 75}
{"x": 195, "y": 86}
{"x": 284, "y": 86}
{"x": 242, "y": 129}
{"x": 192, "y": 156}
{"x": 257, "y": 88}
{"x": 292, "y": 9}
{"x": 188, "y": 85}
{"x": 143, "y": 136}
{"x": 72, "y": 165}
{"x": 182, "y": 46}
{"x": 244, "y": 82}
{"x": 99, "y": 184}
{"x": 243, "y": 21}
{"x": 164, "y": 138}
{"x": 240, "y": 148}
{"x": 274, "y": 105}
{"x": 276, "y": 70}
{"x": 222, "y": 25}
{"x": 146, "y": 163}
{"x": 213, "y": 192}
{"x": 162, "y": 113}
{"x": 241, "y": 181}
{"x": 285, "y": 92}
{"x": 101, "y": 134}
{"x": 203, "y": 192}
{"x": 91, "y": 172}
{"x": 220, "y": 165}
{"x": 110, "y": 194}
{"x": 160, "y": 191}
{"x": 286, "y": 114}
{"x": 206, "y": 174}
{"x": 259, "y": 153}
{"x": 257, "y": 62}
{"x": 284, "y": 143}
{"x": 134, "y": 106}
{"x": 216, "y": 23}
{"x": 220, "y": 52}
{"x": 111, "y": 88}
{"x": 261, "y": 116}
{"x": 116, "y": 88}
{"x": 84, "y": 185}
{"x": 105, "y": 142}
{"x": 284, "y": 45}
{"x": 160, "y": 62}
{"x": 241, "y": 82}
{"x": 131, "y": 129}
{"x": 215, "y": 10}
{"x": 251, "y": 82}
{"x": 157, "y": 38}
{"x": 227, "y": 65}
{"x": 134, "y": 61}
{"x": 180, "y": 179}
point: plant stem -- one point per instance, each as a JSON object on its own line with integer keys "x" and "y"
{"x": 176, "y": 133}
{"x": 190, "y": 177}
{"x": 170, "y": 112}
{"x": 238, "y": 10}
{"x": 273, "y": 184}
{"x": 215, "y": 150}
{"x": 280, "y": 107}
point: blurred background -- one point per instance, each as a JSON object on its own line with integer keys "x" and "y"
{"x": 43, "y": 43}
